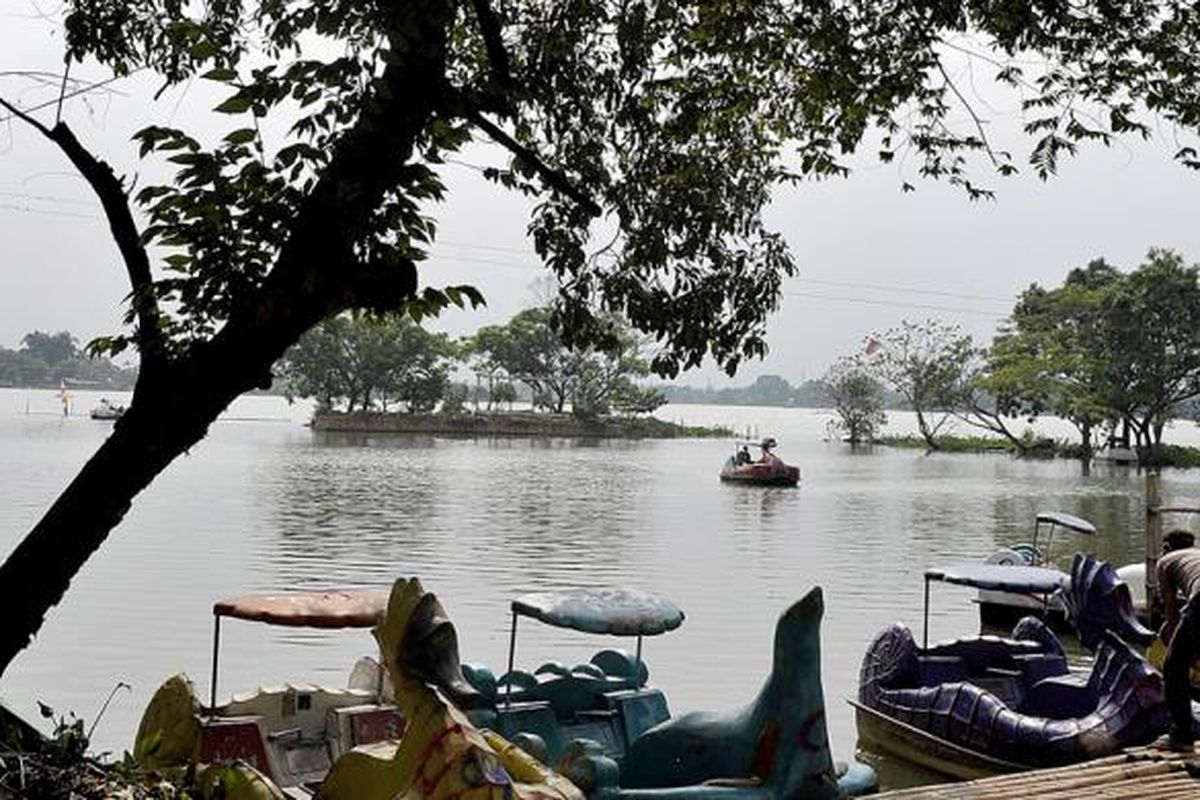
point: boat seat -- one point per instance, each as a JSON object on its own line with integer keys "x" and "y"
{"x": 1005, "y": 684}
{"x": 1038, "y": 666}
{"x": 351, "y": 726}
{"x": 536, "y": 717}
{"x": 942, "y": 669}
{"x": 620, "y": 664}
{"x": 553, "y": 668}
{"x": 639, "y": 710}
{"x": 1061, "y": 697}
{"x": 590, "y": 670}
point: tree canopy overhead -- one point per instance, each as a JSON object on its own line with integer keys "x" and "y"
{"x": 650, "y": 133}
{"x": 659, "y": 127}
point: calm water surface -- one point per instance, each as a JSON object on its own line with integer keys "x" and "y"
{"x": 265, "y": 504}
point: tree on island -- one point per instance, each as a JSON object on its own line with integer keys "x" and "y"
{"x": 1104, "y": 349}
{"x": 363, "y": 362}
{"x": 927, "y": 364}
{"x": 594, "y": 378}
{"x": 1151, "y": 336}
{"x": 857, "y": 399}
{"x": 1047, "y": 357}
{"x": 658, "y": 132}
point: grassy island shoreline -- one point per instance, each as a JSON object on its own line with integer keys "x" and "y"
{"x": 511, "y": 423}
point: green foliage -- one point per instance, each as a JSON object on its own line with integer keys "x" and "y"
{"x": 47, "y": 361}
{"x": 949, "y": 443}
{"x": 454, "y": 399}
{"x": 1104, "y": 348}
{"x": 52, "y": 349}
{"x": 857, "y": 399}
{"x": 929, "y": 365}
{"x": 593, "y": 379}
{"x": 366, "y": 361}
{"x": 766, "y": 390}
{"x": 677, "y": 121}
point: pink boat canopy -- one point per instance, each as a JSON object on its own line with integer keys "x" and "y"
{"x": 360, "y": 608}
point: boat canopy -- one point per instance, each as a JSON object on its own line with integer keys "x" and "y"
{"x": 1077, "y": 524}
{"x": 999, "y": 577}
{"x": 620, "y": 612}
{"x": 331, "y": 609}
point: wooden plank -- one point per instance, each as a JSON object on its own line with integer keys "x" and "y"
{"x": 1136, "y": 774}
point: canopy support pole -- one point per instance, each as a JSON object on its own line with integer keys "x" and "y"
{"x": 212, "y": 706}
{"x": 512, "y": 653}
{"x": 925, "y": 634}
{"x": 637, "y": 664}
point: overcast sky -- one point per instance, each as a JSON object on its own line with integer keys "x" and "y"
{"x": 869, "y": 255}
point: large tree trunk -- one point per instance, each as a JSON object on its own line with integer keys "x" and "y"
{"x": 168, "y": 415}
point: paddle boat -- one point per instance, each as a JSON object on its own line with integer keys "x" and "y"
{"x": 767, "y": 470}
{"x": 986, "y": 705}
{"x": 423, "y": 727}
{"x": 104, "y": 410}
{"x": 290, "y": 733}
{"x": 613, "y": 736}
{"x": 1004, "y": 608}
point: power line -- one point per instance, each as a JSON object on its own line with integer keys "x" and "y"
{"x": 846, "y": 284}
{"x": 48, "y": 212}
{"x": 808, "y": 295}
{"x": 48, "y": 199}
{"x": 866, "y": 301}
{"x": 72, "y": 93}
{"x": 882, "y": 288}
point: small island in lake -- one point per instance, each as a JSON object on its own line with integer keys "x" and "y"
{"x": 510, "y": 423}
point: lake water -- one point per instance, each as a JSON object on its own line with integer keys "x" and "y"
{"x": 265, "y": 504}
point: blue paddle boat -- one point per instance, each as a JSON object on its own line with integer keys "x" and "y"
{"x": 603, "y": 727}
{"x": 986, "y": 705}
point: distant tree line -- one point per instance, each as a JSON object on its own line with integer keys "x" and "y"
{"x": 1116, "y": 354}
{"x": 766, "y": 390}
{"x": 47, "y": 360}
{"x": 390, "y": 363}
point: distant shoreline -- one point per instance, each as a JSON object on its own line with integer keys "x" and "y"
{"x": 510, "y": 423}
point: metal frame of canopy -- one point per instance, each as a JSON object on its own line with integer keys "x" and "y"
{"x": 331, "y": 609}
{"x": 615, "y": 612}
{"x": 998, "y": 577}
{"x": 1055, "y": 519}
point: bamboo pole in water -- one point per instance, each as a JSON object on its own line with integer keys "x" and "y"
{"x": 1153, "y": 539}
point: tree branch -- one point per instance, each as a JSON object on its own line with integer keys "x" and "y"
{"x": 555, "y": 179}
{"x": 983, "y": 137}
{"x": 107, "y": 187}
{"x": 489, "y": 26}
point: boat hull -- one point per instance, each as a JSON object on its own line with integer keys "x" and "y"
{"x": 1011, "y": 701}
{"x": 761, "y": 474}
{"x": 880, "y": 733}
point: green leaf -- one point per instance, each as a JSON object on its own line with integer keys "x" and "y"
{"x": 221, "y": 74}
{"x": 238, "y": 104}
{"x": 241, "y": 136}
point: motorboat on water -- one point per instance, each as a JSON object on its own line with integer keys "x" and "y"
{"x": 104, "y": 410}
{"x": 767, "y": 470}
{"x": 613, "y": 735}
{"x": 1001, "y": 608}
{"x": 986, "y": 705}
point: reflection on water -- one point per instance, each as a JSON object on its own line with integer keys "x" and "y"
{"x": 265, "y": 504}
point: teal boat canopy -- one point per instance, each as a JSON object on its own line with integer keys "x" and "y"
{"x": 1069, "y": 521}
{"x": 619, "y": 612}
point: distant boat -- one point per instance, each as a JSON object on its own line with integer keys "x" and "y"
{"x": 105, "y": 410}
{"x": 768, "y": 470}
